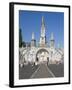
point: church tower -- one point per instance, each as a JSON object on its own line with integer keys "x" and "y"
{"x": 43, "y": 36}
{"x": 33, "y": 41}
{"x": 52, "y": 41}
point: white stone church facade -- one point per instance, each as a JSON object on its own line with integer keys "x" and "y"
{"x": 43, "y": 53}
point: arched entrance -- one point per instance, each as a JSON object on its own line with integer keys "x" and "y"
{"x": 42, "y": 56}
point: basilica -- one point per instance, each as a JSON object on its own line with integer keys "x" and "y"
{"x": 44, "y": 52}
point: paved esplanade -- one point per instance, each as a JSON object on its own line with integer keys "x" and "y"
{"x": 42, "y": 72}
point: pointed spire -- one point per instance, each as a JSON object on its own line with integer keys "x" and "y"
{"x": 52, "y": 36}
{"x": 43, "y": 20}
{"x": 33, "y": 36}
{"x": 42, "y": 25}
{"x": 52, "y": 41}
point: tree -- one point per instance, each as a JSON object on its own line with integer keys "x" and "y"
{"x": 20, "y": 38}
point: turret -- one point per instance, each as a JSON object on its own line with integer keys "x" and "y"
{"x": 52, "y": 41}
{"x": 33, "y": 41}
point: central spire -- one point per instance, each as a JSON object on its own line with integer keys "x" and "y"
{"x": 43, "y": 37}
{"x": 43, "y": 21}
{"x": 42, "y": 27}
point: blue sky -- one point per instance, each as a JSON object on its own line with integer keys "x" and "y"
{"x": 30, "y": 21}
